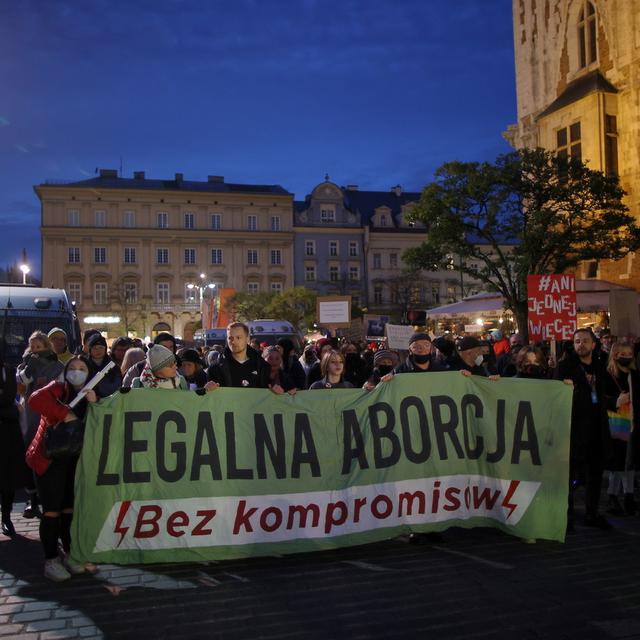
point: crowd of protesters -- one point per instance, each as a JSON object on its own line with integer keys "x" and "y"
{"x": 604, "y": 373}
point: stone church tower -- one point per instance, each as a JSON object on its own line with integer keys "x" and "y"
{"x": 578, "y": 91}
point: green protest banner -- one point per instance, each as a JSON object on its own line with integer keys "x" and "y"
{"x": 172, "y": 476}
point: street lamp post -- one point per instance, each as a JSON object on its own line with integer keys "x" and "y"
{"x": 25, "y": 270}
{"x": 201, "y": 287}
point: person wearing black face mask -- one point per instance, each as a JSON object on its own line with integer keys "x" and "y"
{"x": 419, "y": 359}
{"x": 383, "y": 363}
{"x": 622, "y": 397}
{"x": 356, "y": 370}
{"x": 530, "y": 363}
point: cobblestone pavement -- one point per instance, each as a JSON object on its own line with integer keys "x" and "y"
{"x": 476, "y": 584}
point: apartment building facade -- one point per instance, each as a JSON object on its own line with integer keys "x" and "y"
{"x": 128, "y": 248}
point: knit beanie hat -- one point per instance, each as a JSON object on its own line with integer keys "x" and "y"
{"x": 384, "y": 354}
{"x": 468, "y": 342}
{"x": 420, "y": 335}
{"x": 56, "y": 330}
{"x": 96, "y": 340}
{"x": 159, "y": 357}
{"x": 191, "y": 355}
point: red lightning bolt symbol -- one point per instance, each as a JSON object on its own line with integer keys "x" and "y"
{"x": 124, "y": 507}
{"x": 513, "y": 485}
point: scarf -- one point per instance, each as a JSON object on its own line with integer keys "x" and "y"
{"x": 150, "y": 380}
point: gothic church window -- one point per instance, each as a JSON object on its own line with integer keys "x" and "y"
{"x": 587, "y": 34}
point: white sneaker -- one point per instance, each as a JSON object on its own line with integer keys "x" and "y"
{"x": 54, "y": 570}
{"x": 74, "y": 568}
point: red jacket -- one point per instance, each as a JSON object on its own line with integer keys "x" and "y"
{"x": 49, "y": 402}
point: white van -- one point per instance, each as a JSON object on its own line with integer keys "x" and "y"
{"x": 270, "y": 331}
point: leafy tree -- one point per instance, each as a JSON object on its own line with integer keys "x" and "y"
{"x": 249, "y": 306}
{"x": 530, "y": 212}
{"x": 297, "y": 305}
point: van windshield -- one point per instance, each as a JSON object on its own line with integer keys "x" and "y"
{"x": 18, "y": 330}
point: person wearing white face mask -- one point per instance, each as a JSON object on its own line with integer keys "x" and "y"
{"x": 55, "y": 477}
{"x": 469, "y": 358}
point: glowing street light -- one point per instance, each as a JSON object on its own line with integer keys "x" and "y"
{"x": 25, "y": 270}
{"x": 201, "y": 287}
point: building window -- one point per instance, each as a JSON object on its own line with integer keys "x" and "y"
{"x": 190, "y": 294}
{"x": 162, "y": 256}
{"x": 383, "y": 220}
{"x": 276, "y": 256}
{"x": 129, "y": 219}
{"x": 377, "y": 261}
{"x": 275, "y": 223}
{"x": 190, "y": 256}
{"x": 334, "y": 274}
{"x": 310, "y": 273}
{"x": 216, "y": 256}
{"x": 162, "y": 220}
{"x": 189, "y": 221}
{"x": 327, "y": 215}
{"x": 100, "y": 218}
{"x": 333, "y": 248}
{"x": 587, "y": 34}
{"x": 435, "y": 294}
{"x": 162, "y": 293}
{"x": 354, "y": 274}
{"x": 252, "y": 223}
{"x": 309, "y": 247}
{"x": 353, "y": 249}
{"x": 592, "y": 269}
{"x": 252, "y": 256}
{"x": 100, "y": 255}
{"x": 611, "y": 145}
{"x": 100, "y": 293}
{"x": 130, "y": 292}
{"x": 129, "y": 255}
{"x": 253, "y": 287}
{"x": 216, "y": 221}
{"x": 377, "y": 294}
{"x": 393, "y": 260}
{"x": 74, "y": 255}
{"x": 276, "y": 287}
{"x": 74, "y": 217}
{"x": 568, "y": 142}
{"x": 74, "y": 289}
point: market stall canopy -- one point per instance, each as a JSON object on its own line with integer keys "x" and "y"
{"x": 592, "y": 295}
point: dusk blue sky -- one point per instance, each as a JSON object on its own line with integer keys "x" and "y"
{"x": 372, "y": 92}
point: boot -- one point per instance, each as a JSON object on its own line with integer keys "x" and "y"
{"x": 7, "y": 526}
{"x": 32, "y": 510}
{"x": 614, "y": 507}
{"x": 630, "y": 507}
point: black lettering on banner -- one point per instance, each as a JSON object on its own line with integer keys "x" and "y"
{"x": 497, "y": 455}
{"x": 422, "y": 455}
{"x": 264, "y": 443}
{"x": 204, "y": 430}
{"x": 304, "y": 447}
{"x": 352, "y": 428}
{"x": 233, "y": 472}
{"x": 179, "y": 449}
{"x": 524, "y": 420}
{"x": 442, "y": 427}
{"x": 379, "y": 433}
{"x": 471, "y": 400}
{"x": 105, "y": 478}
{"x": 132, "y": 446}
